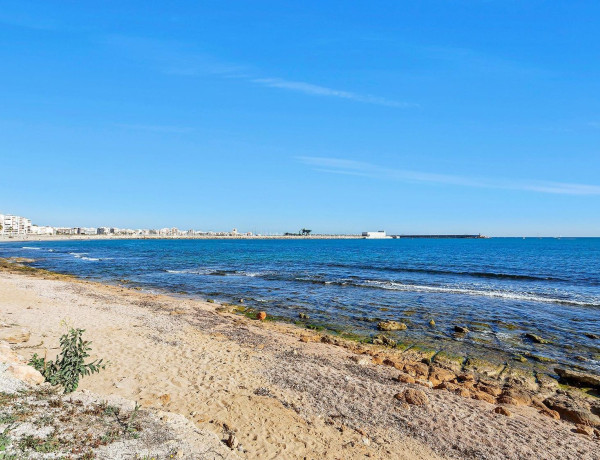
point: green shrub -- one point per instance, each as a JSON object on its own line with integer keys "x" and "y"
{"x": 70, "y": 364}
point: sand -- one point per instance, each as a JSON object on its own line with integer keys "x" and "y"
{"x": 282, "y": 397}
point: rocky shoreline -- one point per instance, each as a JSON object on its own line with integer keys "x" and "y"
{"x": 366, "y": 397}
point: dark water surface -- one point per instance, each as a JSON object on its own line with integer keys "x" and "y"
{"x": 500, "y": 288}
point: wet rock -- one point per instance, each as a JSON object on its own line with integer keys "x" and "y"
{"x": 15, "y": 335}
{"x": 547, "y": 384}
{"x": 413, "y": 396}
{"x": 330, "y": 340}
{"x": 466, "y": 377}
{"x": 384, "y": 340}
{"x": 303, "y": 316}
{"x": 502, "y": 411}
{"x": 391, "y": 326}
{"x": 405, "y": 378}
{"x": 578, "y": 378}
{"x": 592, "y": 336}
{"x": 439, "y": 375}
{"x": 431, "y": 323}
{"x": 514, "y": 397}
{"x": 261, "y": 315}
{"x": 461, "y": 329}
{"x": 572, "y": 410}
{"x": 536, "y": 338}
{"x": 489, "y": 388}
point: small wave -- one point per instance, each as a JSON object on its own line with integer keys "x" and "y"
{"x": 217, "y": 272}
{"x": 189, "y": 271}
{"x": 83, "y": 256}
{"x": 30, "y": 247}
{"x": 396, "y": 286}
{"x": 478, "y": 292}
{"x": 430, "y": 271}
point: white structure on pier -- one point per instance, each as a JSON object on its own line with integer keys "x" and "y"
{"x": 379, "y": 235}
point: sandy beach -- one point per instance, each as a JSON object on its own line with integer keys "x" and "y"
{"x": 287, "y": 392}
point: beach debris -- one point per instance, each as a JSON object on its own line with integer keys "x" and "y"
{"x": 232, "y": 442}
{"x": 303, "y": 316}
{"x": 572, "y": 410}
{"x": 261, "y": 315}
{"x": 413, "y": 396}
{"x": 502, "y": 411}
{"x": 578, "y": 378}
{"x": 461, "y": 329}
{"x": 432, "y": 323}
{"x": 15, "y": 335}
{"x": 391, "y": 326}
{"x": 241, "y": 300}
{"x": 536, "y": 338}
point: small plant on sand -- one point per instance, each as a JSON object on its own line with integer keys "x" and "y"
{"x": 70, "y": 364}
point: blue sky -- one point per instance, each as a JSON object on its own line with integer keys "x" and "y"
{"x": 269, "y": 116}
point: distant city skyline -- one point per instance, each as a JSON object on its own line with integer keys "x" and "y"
{"x": 412, "y": 117}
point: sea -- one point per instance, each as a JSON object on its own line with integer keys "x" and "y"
{"x": 499, "y": 288}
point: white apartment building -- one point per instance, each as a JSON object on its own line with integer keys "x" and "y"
{"x": 87, "y": 231}
{"x": 65, "y": 230}
{"x": 14, "y": 225}
{"x": 42, "y": 230}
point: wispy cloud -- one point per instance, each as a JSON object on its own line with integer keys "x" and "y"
{"x": 179, "y": 59}
{"x": 359, "y": 168}
{"x": 316, "y": 90}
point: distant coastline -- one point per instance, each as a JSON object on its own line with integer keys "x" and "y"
{"x": 180, "y": 237}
